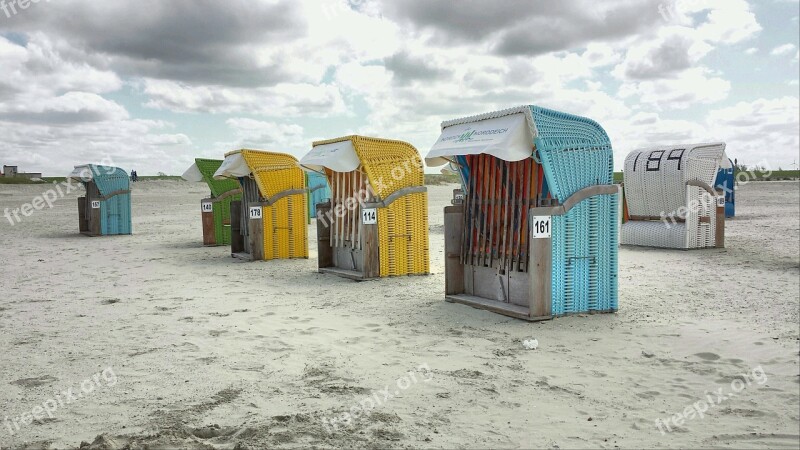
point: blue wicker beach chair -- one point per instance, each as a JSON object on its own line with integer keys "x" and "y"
{"x": 536, "y": 233}
{"x": 726, "y": 183}
{"x": 318, "y": 191}
{"x": 106, "y": 208}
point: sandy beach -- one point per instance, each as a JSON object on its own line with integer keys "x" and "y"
{"x": 167, "y": 344}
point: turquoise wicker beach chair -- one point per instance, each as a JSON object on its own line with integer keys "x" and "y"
{"x": 536, "y": 234}
{"x": 106, "y": 208}
{"x": 318, "y": 192}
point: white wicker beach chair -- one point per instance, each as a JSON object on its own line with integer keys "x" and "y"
{"x": 670, "y": 196}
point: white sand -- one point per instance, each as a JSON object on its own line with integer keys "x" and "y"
{"x": 209, "y": 351}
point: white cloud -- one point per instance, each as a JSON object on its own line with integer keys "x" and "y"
{"x": 285, "y": 99}
{"x": 674, "y": 50}
{"x": 261, "y": 135}
{"x": 43, "y": 83}
{"x": 53, "y": 114}
{"x": 647, "y": 129}
{"x": 760, "y": 130}
{"x": 783, "y": 50}
{"x": 390, "y": 68}
{"x": 691, "y": 88}
{"x": 72, "y": 107}
{"x": 139, "y": 144}
{"x": 726, "y": 21}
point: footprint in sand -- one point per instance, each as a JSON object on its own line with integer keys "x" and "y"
{"x": 706, "y": 356}
{"x": 34, "y": 382}
{"x": 648, "y": 394}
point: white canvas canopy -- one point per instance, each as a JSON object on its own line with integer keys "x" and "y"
{"x": 507, "y": 137}
{"x": 82, "y": 173}
{"x": 193, "y": 174}
{"x": 234, "y": 166}
{"x": 337, "y": 156}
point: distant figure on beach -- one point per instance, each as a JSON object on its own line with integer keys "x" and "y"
{"x": 134, "y": 176}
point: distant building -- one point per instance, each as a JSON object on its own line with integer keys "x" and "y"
{"x": 13, "y": 171}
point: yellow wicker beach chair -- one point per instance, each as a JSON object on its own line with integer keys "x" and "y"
{"x": 376, "y": 223}
{"x": 270, "y": 221}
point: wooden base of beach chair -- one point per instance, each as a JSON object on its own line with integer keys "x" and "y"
{"x": 344, "y": 273}
{"x": 519, "y": 312}
{"x": 243, "y": 256}
{"x": 209, "y": 232}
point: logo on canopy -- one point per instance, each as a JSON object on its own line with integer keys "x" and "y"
{"x": 466, "y": 136}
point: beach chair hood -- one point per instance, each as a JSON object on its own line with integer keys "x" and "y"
{"x": 108, "y": 179}
{"x": 203, "y": 170}
{"x": 338, "y": 156}
{"x": 574, "y": 151}
{"x": 193, "y": 174}
{"x": 233, "y": 166}
{"x": 506, "y": 134}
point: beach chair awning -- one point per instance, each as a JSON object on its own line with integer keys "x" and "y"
{"x": 193, "y": 174}
{"x": 337, "y": 156}
{"x": 234, "y": 166}
{"x": 507, "y": 137}
{"x": 82, "y": 173}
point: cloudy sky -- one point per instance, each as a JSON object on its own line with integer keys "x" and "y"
{"x": 152, "y": 84}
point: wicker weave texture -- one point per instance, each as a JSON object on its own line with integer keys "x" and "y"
{"x": 221, "y": 208}
{"x": 285, "y": 229}
{"x": 207, "y": 167}
{"x": 115, "y": 212}
{"x": 654, "y": 234}
{"x": 222, "y": 220}
{"x": 403, "y": 236}
{"x": 319, "y": 191}
{"x": 576, "y": 153}
{"x": 584, "y": 258}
